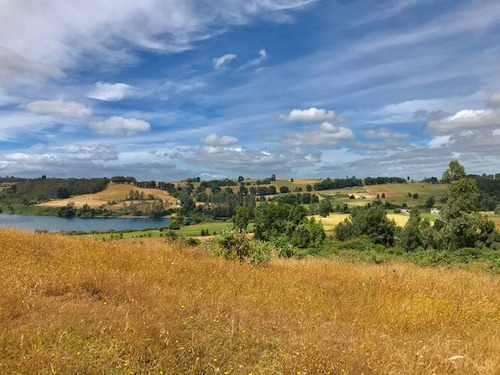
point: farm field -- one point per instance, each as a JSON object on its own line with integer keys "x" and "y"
{"x": 114, "y": 192}
{"x": 333, "y": 219}
{"x": 398, "y": 193}
{"x": 75, "y": 305}
{"x": 189, "y": 230}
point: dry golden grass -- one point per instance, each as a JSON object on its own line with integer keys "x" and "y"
{"x": 334, "y": 219}
{"x": 76, "y": 306}
{"x": 114, "y": 192}
{"x": 331, "y": 221}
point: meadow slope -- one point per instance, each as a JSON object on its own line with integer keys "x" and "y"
{"x": 80, "y": 306}
{"x": 113, "y": 192}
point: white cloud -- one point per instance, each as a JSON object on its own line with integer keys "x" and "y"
{"x": 496, "y": 132}
{"x": 59, "y": 108}
{"x": 15, "y": 66}
{"x": 63, "y": 34}
{"x": 220, "y": 62}
{"x": 120, "y": 126}
{"x": 216, "y": 141}
{"x": 467, "y": 119}
{"x": 326, "y": 134}
{"x": 259, "y": 60}
{"x": 111, "y": 92}
{"x": 440, "y": 141}
{"x": 384, "y": 133}
{"x": 244, "y": 160}
{"x": 494, "y": 100}
{"x": 310, "y": 115}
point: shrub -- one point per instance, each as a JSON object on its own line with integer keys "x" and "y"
{"x": 372, "y": 222}
{"x": 308, "y": 234}
{"x": 234, "y": 245}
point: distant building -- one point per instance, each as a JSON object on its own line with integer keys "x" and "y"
{"x": 434, "y": 210}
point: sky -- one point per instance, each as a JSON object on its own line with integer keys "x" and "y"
{"x": 170, "y": 89}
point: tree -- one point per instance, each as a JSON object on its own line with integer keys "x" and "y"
{"x": 462, "y": 195}
{"x": 430, "y": 202}
{"x": 455, "y": 172}
{"x": 284, "y": 189}
{"x": 308, "y": 234}
{"x": 411, "y": 235}
{"x": 241, "y": 179}
{"x": 244, "y": 215}
{"x": 383, "y": 196}
{"x": 415, "y": 196}
{"x": 325, "y": 207}
{"x": 371, "y": 222}
{"x": 63, "y": 193}
{"x": 309, "y": 187}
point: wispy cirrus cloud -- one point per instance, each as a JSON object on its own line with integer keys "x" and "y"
{"x": 222, "y": 61}
{"x": 59, "y": 108}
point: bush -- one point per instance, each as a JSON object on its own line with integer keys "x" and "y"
{"x": 308, "y": 234}
{"x": 234, "y": 245}
{"x": 372, "y": 222}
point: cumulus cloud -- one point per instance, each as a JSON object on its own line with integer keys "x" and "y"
{"x": 384, "y": 133}
{"x": 216, "y": 141}
{"x": 326, "y": 134}
{"x": 467, "y": 119}
{"x": 59, "y": 108}
{"x": 440, "y": 141}
{"x": 494, "y": 100}
{"x": 110, "y": 92}
{"x": 311, "y": 115}
{"x": 120, "y": 126}
{"x": 220, "y": 62}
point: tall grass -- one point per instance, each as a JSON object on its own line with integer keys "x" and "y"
{"x": 78, "y": 306}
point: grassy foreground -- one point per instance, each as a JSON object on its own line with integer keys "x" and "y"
{"x": 80, "y": 306}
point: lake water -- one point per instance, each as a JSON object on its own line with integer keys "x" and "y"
{"x": 59, "y": 224}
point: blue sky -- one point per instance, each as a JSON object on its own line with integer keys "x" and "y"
{"x": 300, "y": 88}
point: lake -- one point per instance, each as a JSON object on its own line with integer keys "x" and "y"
{"x": 59, "y": 224}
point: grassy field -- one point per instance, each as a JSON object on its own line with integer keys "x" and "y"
{"x": 114, "y": 192}
{"x": 73, "y": 305}
{"x": 189, "y": 230}
{"x": 334, "y": 218}
{"x": 398, "y": 193}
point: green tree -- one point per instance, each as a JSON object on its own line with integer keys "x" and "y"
{"x": 411, "y": 235}
{"x": 325, "y": 207}
{"x": 462, "y": 195}
{"x": 455, "y": 172}
{"x": 430, "y": 202}
{"x": 308, "y": 234}
{"x": 372, "y": 222}
{"x": 244, "y": 215}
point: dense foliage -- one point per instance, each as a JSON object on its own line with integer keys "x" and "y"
{"x": 384, "y": 180}
{"x": 371, "y": 222}
{"x": 42, "y": 189}
{"x": 338, "y": 183}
